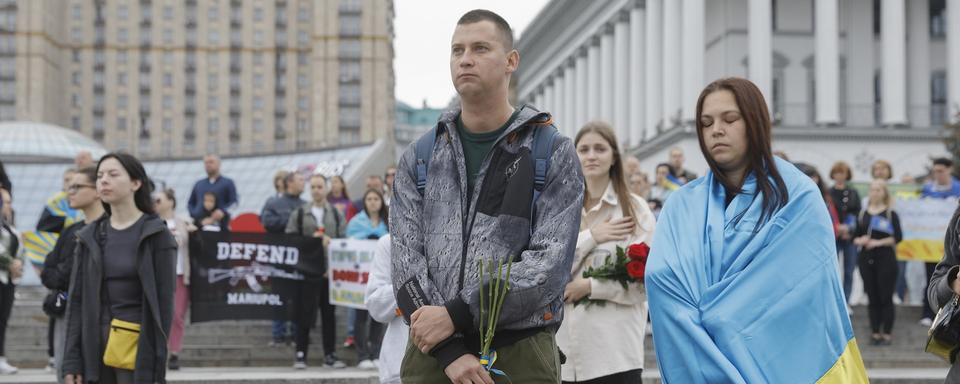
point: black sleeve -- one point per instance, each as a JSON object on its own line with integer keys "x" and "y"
{"x": 57, "y": 265}
{"x": 939, "y": 291}
{"x": 854, "y": 204}
{"x": 165, "y": 270}
{"x": 49, "y": 222}
{"x": 897, "y": 232}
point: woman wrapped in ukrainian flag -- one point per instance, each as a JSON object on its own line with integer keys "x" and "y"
{"x": 742, "y": 277}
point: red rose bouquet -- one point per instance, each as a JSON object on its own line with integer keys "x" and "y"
{"x": 627, "y": 267}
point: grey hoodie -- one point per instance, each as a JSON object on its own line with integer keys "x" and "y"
{"x": 438, "y": 238}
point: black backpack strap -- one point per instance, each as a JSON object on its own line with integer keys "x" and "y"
{"x": 424, "y": 152}
{"x": 300, "y": 220}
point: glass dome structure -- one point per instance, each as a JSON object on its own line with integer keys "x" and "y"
{"x": 33, "y": 141}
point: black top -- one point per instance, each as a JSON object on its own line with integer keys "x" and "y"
{"x": 59, "y": 262}
{"x": 881, "y": 226}
{"x": 120, "y": 277}
{"x": 847, "y": 203}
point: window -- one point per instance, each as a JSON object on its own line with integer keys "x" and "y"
{"x": 302, "y": 80}
{"x": 303, "y": 58}
{"x": 257, "y": 103}
{"x": 213, "y": 36}
{"x": 938, "y": 18}
{"x": 167, "y": 102}
{"x": 167, "y": 36}
{"x": 75, "y": 123}
{"x": 302, "y": 103}
{"x": 122, "y": 101}
{"x": 213, "y": 125}
{"x": 122, "y": 78}
{"x": 258, "y": 37}
{"x": 258, "y": 125}
{"x": 167, "y": 124}
{"x": 349, "y": 71}
{"x": 168, "y": 80}
{"x": 258, "y": 58}
{"x": 213, "y": 102}
{"x": 301, "y": 125}
{"x": 168, "y": 12}
{"x": 258, "y": 80}
{"x": 76, "y": 78}
{"x": 122, "y": 35}
{"x": 122, "y": 123}
{"x": 212, "y": 13}
{"x": 303, "y": 38}
{"x": 350, "y": 48}
{"x": 122, "y": 56}
{"x": 351, "y": 6}
{"x": 98, "y": 126}
{"x": 168, "y": 57}
{"x": 212, "y": 81}
{"x": 77, "y": 13}
{"x": 257, "y": 14}
{"x": 303, "y": 14}
{"x": 76, "y": 56}
{"x": 76, "y": 34}
{"x": 350, "y": 94}
{"x": 76, "y": 100}
{"x": 349, "y": 117}
{"x": 350, "y": 25}
{"x": 122, "y": 12}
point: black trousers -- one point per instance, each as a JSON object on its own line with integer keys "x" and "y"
{"x": 51, "y": 323}
{"x": 878, "y": 268}
{"x": 927, "y": 311}
{"x": 304, "y": 300}
{"x": 369, "y": 335}
{"x": 628, "y": 377}
{"x": 6, "y": 305}
{"x": 328, "y": 320}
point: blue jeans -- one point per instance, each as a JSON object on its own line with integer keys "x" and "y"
{"x": 283, "y": 329}
{"x": 351, "y": 319}
{"x": 849, "y": 251}
{"x": 901, "y": 289}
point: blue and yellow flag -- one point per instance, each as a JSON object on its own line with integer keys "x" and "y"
{"x": 37, "y": 244}
{"x": 672, "y": 183}
{"x": 734, "y": 302}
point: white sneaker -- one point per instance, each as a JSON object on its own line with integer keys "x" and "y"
{"x": 6, "y": 368}
{"x": 51, "y": 365}
{"x": 366, "y": 364}
{"x": 926, "y": 322}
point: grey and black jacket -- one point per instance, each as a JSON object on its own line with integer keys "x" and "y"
{"x": 939, "y": 292}
{"x": 438, "y": 238}
{"x": 157, "y": 261}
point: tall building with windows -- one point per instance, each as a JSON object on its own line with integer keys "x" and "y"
{"x": 851, "y": 80}
{"x": 181, "y": 78}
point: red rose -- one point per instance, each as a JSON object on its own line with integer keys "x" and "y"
{"x": 638, "y": 252}
{"x": 636, "y": 269}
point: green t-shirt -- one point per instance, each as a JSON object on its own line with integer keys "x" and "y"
{"x": 476, "y": 146}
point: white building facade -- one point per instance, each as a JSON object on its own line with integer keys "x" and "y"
{"x": 850, "y": 80}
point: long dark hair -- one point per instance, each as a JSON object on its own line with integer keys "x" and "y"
{"x": 604, "y": 130}
{"x": 384, "y": 212}
{"x": 342, "y": 182}
{"x": 135, "y": 169}
{"x": 756, "y": 117}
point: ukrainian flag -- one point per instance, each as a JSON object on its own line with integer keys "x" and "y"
{"x": 732, "y": 301}
{"x": 37, "y": 244}
{"x": 672, "y": 183}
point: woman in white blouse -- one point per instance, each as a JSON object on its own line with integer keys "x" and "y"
{"x": 603, "y": 339}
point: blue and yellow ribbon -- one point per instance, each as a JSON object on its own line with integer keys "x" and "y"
{"x": 37, "y": 244}
{"x": 487, "y": 362}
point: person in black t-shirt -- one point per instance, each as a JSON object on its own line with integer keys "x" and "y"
{"x": 877, "y": 234}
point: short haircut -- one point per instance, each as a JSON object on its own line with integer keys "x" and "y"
{"x": 843, "y": 168}
{"x": 318, "y": 175}
{"x": 90, "y": 172}
{"x": 478, "y": 15}
{"x": 943, "y": 161}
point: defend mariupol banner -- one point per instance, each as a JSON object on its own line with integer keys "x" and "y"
{"x": 235, "y": 276}
{"x": 350, "y": 262}
{"x": 924, "y": 223}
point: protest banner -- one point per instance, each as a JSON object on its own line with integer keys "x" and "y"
{"x": 924, "y": 223}
{"x": 236, "y": 276}
{"x": 350, "y": 262}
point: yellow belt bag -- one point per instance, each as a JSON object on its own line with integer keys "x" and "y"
{"x": 122, "y": 345}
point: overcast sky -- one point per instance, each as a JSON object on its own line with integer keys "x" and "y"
{"x": 422, "y": 43}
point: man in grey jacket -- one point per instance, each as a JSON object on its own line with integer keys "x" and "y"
{"x": 476, "y": 206}
{"x": 944, "y": 283}
{"x": 275, "y": 215}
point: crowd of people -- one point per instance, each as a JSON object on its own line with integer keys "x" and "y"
{"x": 121, "y": 264}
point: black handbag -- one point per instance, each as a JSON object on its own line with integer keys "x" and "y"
{"x": 943, "y": 338}
{"x": 55, "y": 304}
